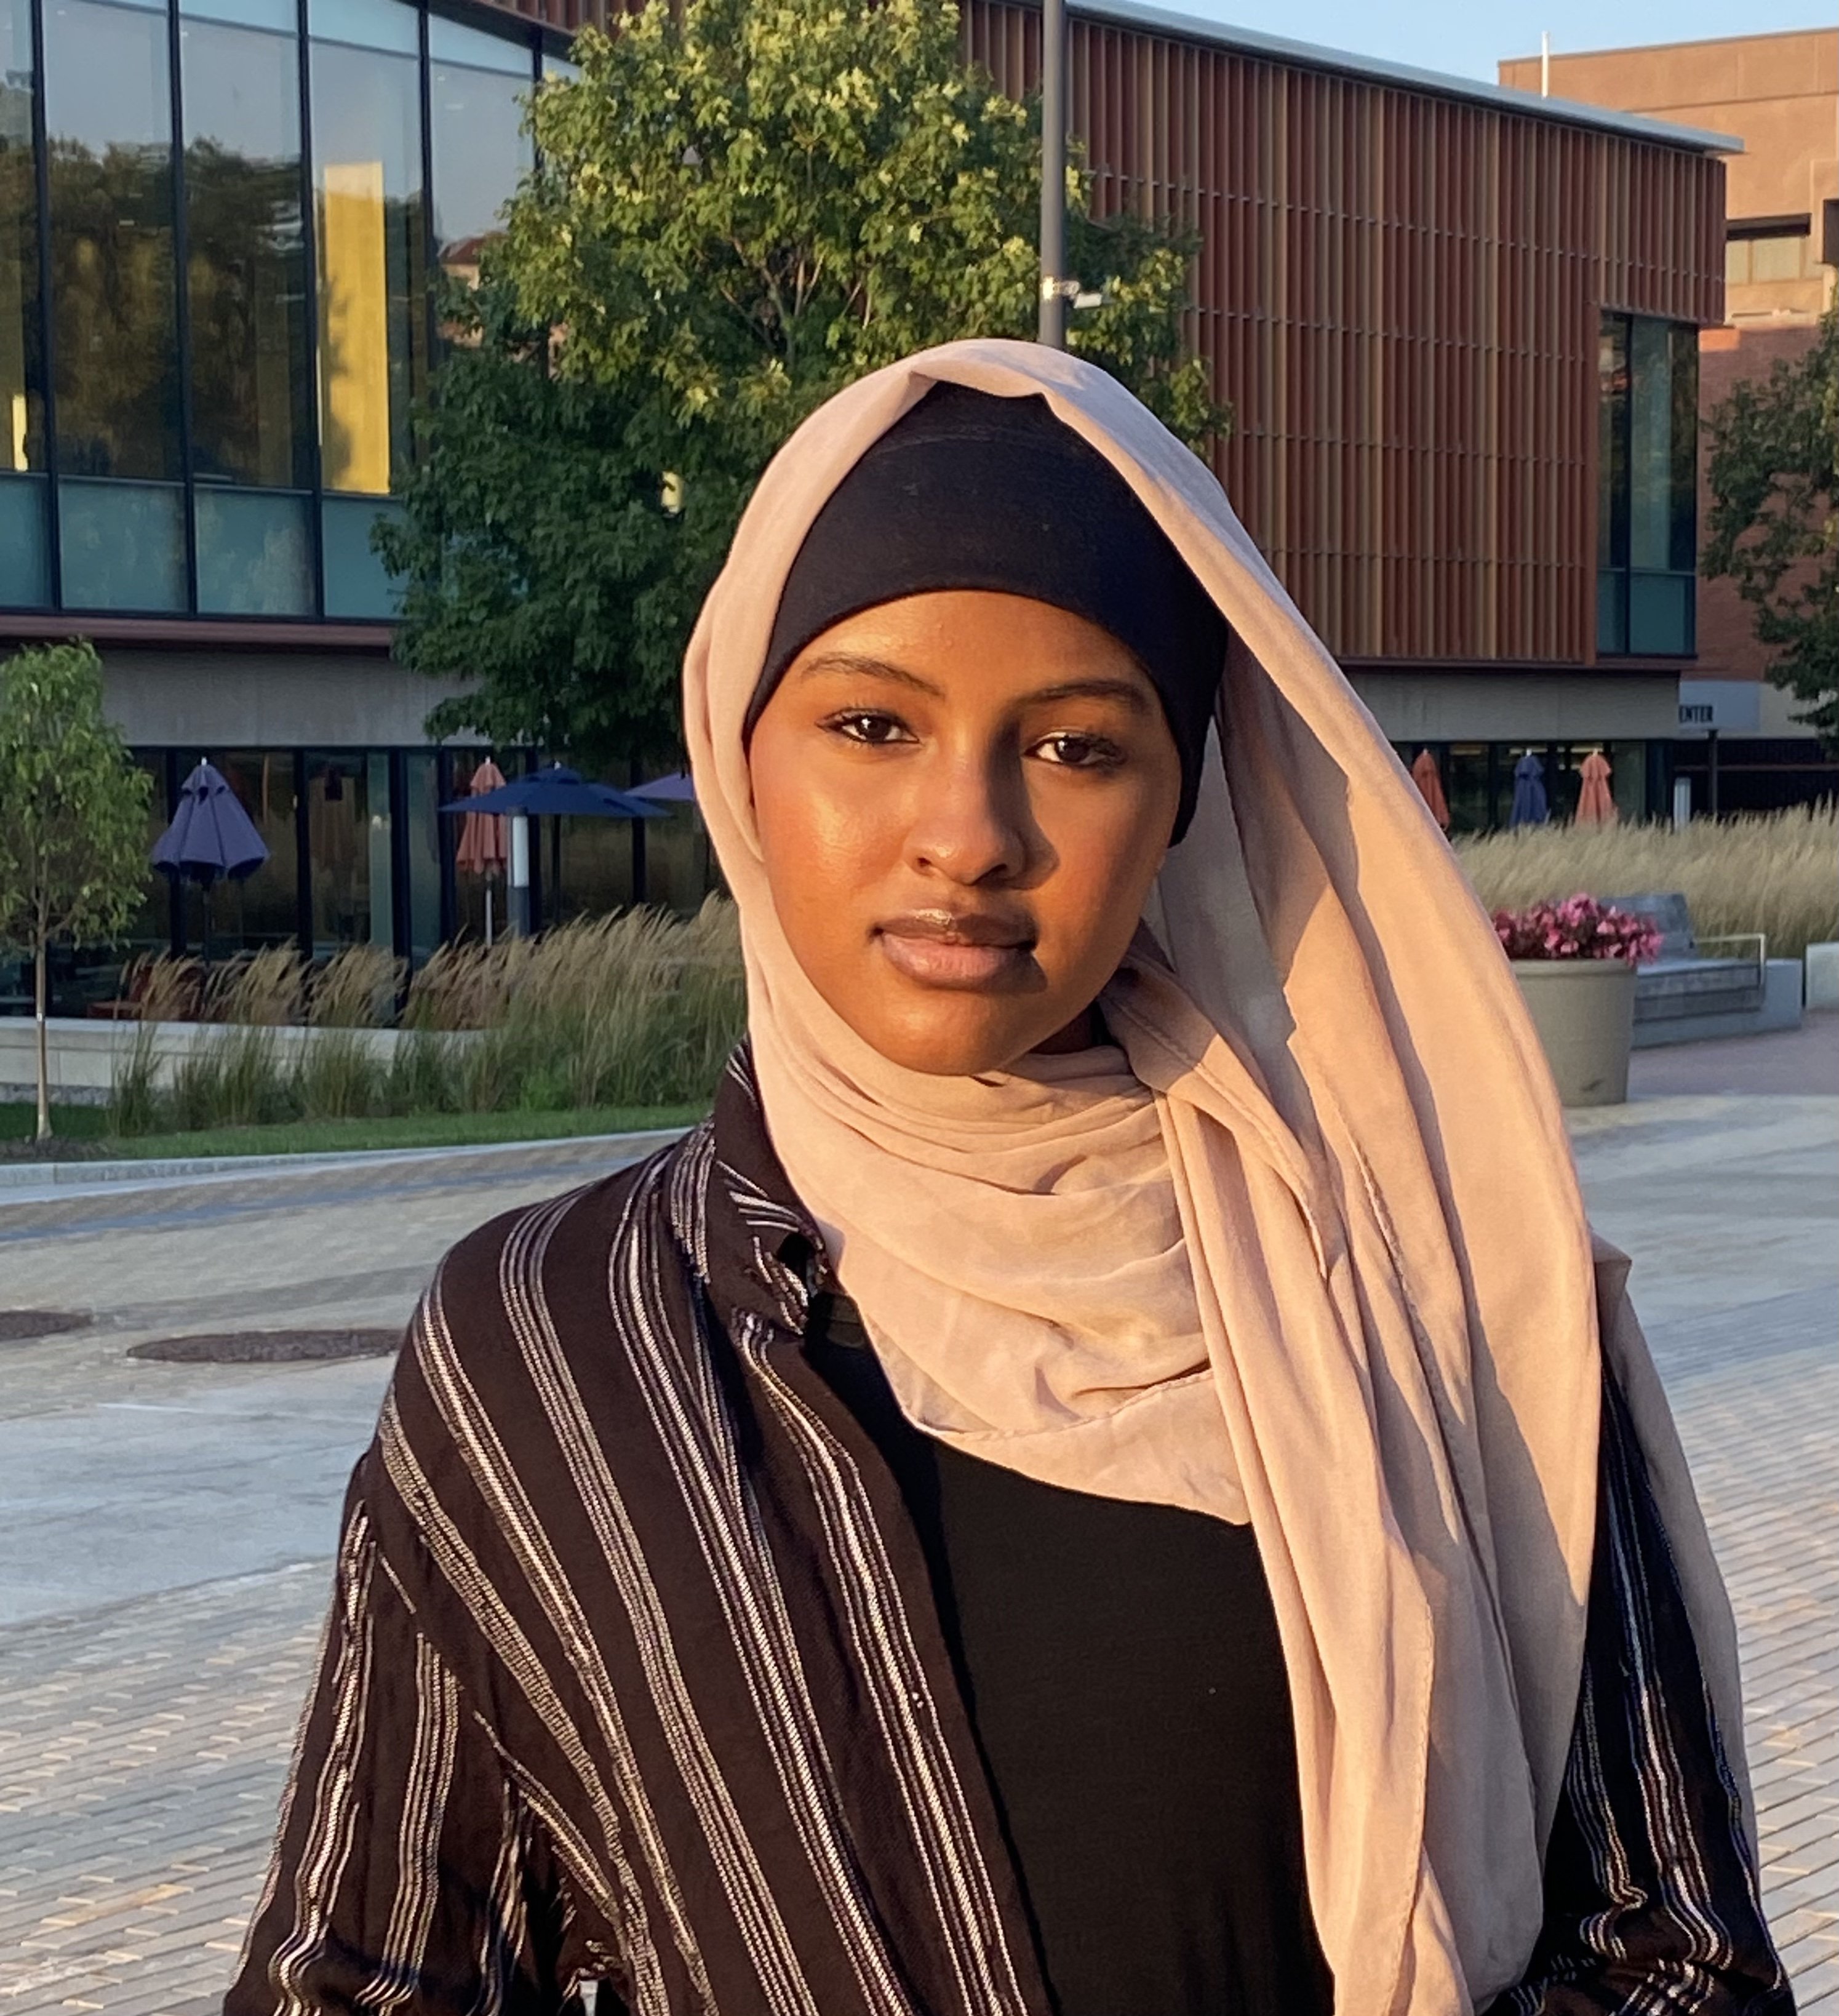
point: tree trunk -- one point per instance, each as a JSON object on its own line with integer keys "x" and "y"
{"x": 43, "y": 1054}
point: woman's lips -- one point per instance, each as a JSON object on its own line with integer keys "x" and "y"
{"x": 971, "y": 953}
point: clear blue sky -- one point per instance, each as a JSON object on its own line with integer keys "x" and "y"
{"x": 1468, "y": 39}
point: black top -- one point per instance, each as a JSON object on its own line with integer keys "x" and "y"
{"x": 1121, "y": 1665}
{"x": 634, "y": 1675}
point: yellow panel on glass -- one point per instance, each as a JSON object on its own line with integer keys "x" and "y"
{"x": 353, "y": 329}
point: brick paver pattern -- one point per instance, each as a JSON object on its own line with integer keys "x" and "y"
{"x": 143, "y": 1744}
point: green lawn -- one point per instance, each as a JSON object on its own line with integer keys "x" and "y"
{"x": 87, "y": 1125}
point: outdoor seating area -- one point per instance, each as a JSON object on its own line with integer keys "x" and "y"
{"x": 1705, "y": 986}
{"x": 1722, "y": 974}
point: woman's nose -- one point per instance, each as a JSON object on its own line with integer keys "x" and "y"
{"x": 972, "y": 821}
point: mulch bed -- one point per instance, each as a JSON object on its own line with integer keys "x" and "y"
{"x": 270, "y": 1347}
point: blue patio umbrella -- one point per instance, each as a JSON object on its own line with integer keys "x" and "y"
{"x": 553, "y": 792}
{"x": 210, "y": 839}
{"x": 675, "y": 790}
{"x": 1530, "y": 808}
{"x": 557, "y": 792}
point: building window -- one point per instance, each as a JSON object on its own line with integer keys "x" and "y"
{"x": 24, "y": 573}
{"x": 108, "y": 110}
{"x": 1647, "y": 448}
{"x": 245, "y": 246}
{"x": 477, "y": 85}
{"x": 368, "y": 198}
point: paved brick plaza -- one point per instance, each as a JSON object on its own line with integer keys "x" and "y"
{"x": 168, "y": 1526}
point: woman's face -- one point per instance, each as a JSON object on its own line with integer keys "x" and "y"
{"x": 962, "y": 799}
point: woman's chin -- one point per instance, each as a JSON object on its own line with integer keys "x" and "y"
{"x": 955, "y": 1034}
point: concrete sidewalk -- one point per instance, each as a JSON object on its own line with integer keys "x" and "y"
{"x": 168, "y": 1526}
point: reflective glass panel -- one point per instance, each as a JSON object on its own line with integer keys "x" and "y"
{"x": 421, "y": 815}
{"x": 149, "y": 929}
{"x": 1650, "y": 443}
{"x": 108, "y": 112}
{"x": 338, "y": 822}
{"x": 1628, "y": 779}
{"x": 378, "y": 812}
{"x": 255, "y": 552}
{"x": 277, "y": 15}
{"x": 1465, "y": 787}
{"x": 373, "y": 335}
{"x": 122, "y": 544}
{"x": 1682, "y": 515}
{"x": 365, "y": 24}
{"x": 480, "y": 153}
{"x": 25, "y": 563}
{"x": 1612, "y": 610}
{"x": 262, "y": 908}
{"x": 356, "y": 585}
{"x": 245, "y": 256}
{"x": 22, "y": 414}
{"x": 1612, "y": 443}
{"x": 451, "y": 43}
{"x": 1661, "y": 613}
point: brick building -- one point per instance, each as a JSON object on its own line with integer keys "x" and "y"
{"x": 1780, "y": 93}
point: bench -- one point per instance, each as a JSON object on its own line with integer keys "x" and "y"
{"x": 1694, "y": 976}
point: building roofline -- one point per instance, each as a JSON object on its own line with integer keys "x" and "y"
{"x": 1374, "y": 70}
{"x": 1685, "y": 42}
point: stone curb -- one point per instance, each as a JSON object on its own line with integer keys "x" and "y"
{"x": 73, "y": 1174}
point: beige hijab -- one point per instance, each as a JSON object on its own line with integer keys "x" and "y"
{"x": 1307, "y": 1248}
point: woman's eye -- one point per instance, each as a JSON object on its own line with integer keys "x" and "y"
{"x": 1079, "y": 752}
{"x": 876, "y": 730}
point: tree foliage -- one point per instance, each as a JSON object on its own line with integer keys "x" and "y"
{"x": 1773, "y": 529}
{"x": 74, "y": 808}
{"x": 738, "y": 207}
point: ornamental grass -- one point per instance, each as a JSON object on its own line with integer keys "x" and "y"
{"x": 1777, "y": 872}
{"x": 636, "y": 1009}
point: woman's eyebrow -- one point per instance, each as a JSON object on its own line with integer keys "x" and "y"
{"x": 1132, "y": 695}
{"x": 863, "y": 664}
{"x": 875, "y": 668}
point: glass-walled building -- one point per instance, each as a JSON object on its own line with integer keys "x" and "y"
{"x": 1464, "y": 432}
{"x": 218, "y": 222}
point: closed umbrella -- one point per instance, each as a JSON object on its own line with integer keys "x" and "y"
{"x": 1430, "y": 784}
{"x": 211, "y": 839}
{"x": 484, "y": 841}
{"x": 1596, "y": 804}
{"x": 1530, "y": 808}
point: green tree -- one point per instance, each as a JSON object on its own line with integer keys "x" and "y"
{"x": 739, "y": 206}
{"x": 1773, "y": 529}
{"x": 73, "y": 809}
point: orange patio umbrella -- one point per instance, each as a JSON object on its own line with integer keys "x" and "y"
{"x": 1595, "y": 806}
{"x": 484, "y": 841}
{"x": 1424, "y": 775}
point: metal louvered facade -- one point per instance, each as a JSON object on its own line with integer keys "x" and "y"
{"x": 1399, "y": 294}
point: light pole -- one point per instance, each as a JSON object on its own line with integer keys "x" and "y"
{"x": 1054, "y": 286}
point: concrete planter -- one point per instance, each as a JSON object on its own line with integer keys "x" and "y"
{"x": 1584, "y": 1010}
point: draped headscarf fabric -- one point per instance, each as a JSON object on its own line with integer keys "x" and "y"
{"x": 1305, "y": 1248}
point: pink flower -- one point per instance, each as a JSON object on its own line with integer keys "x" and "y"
{"x": 1578, "y": 927}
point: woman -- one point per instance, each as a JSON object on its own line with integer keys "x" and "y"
{"x": 1080, "y": 1489}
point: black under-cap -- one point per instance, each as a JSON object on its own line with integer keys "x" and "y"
{"x": 968, "y": 490}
